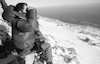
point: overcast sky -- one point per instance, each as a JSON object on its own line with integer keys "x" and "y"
{"x": 47, "y": 3}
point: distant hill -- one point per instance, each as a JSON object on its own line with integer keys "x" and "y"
{"x": 79, "y": 14}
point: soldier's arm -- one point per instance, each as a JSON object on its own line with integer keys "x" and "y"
{"x": 32, "y": 17}
{"x": 4, "y": 4}
{"x": 31, "y": 22}
{"x": 31, "y": 14}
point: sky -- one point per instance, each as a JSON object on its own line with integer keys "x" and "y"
{"x": 50, "y": 3}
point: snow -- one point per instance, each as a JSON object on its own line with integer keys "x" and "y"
{"x": 69, "y": 38}
{"x": 71, "y": 43}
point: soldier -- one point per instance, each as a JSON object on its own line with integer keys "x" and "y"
{"x": 25, "y": 29}
{"x": 28, "y": 31}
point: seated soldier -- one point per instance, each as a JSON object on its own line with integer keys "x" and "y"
{"x": 27, "y": 31}
{"x": 25, "y": 28}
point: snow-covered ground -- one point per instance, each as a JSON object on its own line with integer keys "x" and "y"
{"x": 77, "y": 42}
{"x": 71, "y": 44}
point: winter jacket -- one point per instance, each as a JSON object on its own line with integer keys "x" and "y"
{"x": 24, "y": 31}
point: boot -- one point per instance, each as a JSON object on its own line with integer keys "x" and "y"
{"x": 49, "y": 63}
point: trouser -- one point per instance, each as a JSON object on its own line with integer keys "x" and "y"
{"x": 46, "y": 51}
{"x": 45, "y": 48}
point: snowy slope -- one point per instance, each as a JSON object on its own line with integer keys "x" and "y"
{"x": 80, "y": 43}
{"x": 71, "y": 44}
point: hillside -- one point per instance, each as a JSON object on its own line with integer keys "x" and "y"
{"x": 71, "y": 43}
